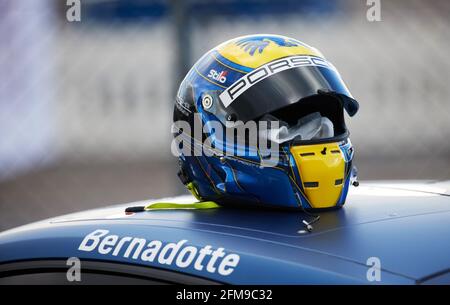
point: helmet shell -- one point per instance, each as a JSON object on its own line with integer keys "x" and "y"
{"x": 231, "y": 179}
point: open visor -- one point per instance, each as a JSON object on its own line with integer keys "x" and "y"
{"x": 270, "y": 87}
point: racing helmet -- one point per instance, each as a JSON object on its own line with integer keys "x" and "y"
{"x": 282, "y": 92}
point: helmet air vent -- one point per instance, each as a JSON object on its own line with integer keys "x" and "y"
{"x": 311, "y": 184}
{"x": 338, "y": 181}
{"x": 307, "y": 154}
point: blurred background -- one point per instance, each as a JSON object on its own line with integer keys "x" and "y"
{"x": 86, "y": 106}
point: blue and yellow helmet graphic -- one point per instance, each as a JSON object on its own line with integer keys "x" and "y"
{"x": 256, "y": 50}
{"x": 262, "y": 79}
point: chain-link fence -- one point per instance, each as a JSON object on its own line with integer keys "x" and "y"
{"x": 85, "y": 107}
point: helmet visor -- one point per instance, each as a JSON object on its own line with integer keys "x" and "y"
{"x": 270, "y": 87}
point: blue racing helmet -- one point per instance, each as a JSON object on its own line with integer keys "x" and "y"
{"x": 271, "y": 90}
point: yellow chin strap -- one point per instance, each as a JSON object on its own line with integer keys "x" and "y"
{"x": 156, "y": 206}
{"x": 322, "y": 171}
{"x": 191, "y": 187}
{"x": 201, "y": 205}
{"x": 204, "y": 205}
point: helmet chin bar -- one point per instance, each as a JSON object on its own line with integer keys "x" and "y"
{"x": 322, "y": 171}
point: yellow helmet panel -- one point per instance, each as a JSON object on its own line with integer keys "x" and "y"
{"x": 256, "y": 50}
